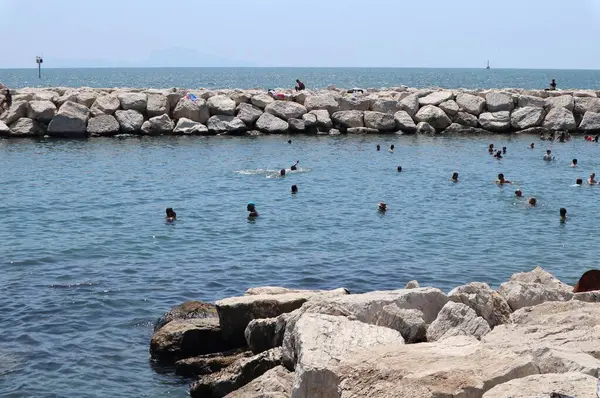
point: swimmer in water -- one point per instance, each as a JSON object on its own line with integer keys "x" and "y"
{"x": 391, "y": 148}
{"x": 171, "y": 215}
{"x": 532, "y": 146}
{"x": 399, "y": 168}
{"x": 518, "y": 193}
{"x": 382, "y": 207}
{"x": 548, "y": 156}
{"x": 579, "y": 182}
{"x": 294, "y": 189}
{"x": 289, "y": 141}
{"x": 501, "y": 180}
{"x": 504, "y": 150}
{"x": 295, "y": 166}
{"x": 562, "y": 138}
{"x": 532, "y": 202}
{"x": 542, "y": 137}
{"x": 552, "y": 136}
{"x": 282, "y": 172}
{"x": 574, "y": 164}
{"x": 491, "y": 149}
{"x": 378, "y": 147}
{"x": 563, "y": 214}
{"x": 592, "y": 179}
{"x": 596, "y": 138}
{"x": 454, "y": 177}
{"x": 498, "y": 155}
{"x": 252, "y": 209}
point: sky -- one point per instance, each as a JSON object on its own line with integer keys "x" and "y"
{"x": 537, "y": 34}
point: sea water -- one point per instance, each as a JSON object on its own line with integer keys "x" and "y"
{"x": 313, "y": 77}
{"x": 88, "y": 262}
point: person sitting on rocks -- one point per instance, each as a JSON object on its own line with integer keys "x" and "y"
{"x": 501, "y": 180}
{"x": 299, "y": 85}
{"x": 295, "y": 166}
{"x": 7, "y": 102}
{"x": 552, "y": 86}
{"x": 171, "y": 215}
{"x": 252, "y": 209}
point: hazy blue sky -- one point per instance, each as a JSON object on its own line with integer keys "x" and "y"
{"x": 421, "y": 33}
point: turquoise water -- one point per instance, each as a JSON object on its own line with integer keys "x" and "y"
{"x": 88, "y": 262}
{"x": 313, "y": 77}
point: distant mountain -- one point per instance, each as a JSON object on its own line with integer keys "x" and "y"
{"x": 170, "y": 57}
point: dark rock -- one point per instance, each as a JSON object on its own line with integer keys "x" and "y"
{"x": 239, "y": 374}
{"x": 209, "y": 363}
{"x": 187, "y": 310}
{"x": 261, "y": 335}
{"x": 187, "y": 338}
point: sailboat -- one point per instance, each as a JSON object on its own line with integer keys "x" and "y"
{"x": 488, "y": 65}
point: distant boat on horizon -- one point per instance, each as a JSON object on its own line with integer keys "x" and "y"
{"x": 488, "y": 65}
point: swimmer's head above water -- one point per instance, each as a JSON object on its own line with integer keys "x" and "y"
{"x": 579, "y": 181}
{"x": 399, "y": 168}
{"x": 294, "y": 189}
{"x": 563, "y": 213}
{"x": 518, "y": 193}
{"x": 382, "y": 207}
{"x": 532, "y": 202}
{"x": 171, "y": 215}
{"x": 282, "y": 172}
{"x": 378, "y": 147}
{"x": 454, "y": 177}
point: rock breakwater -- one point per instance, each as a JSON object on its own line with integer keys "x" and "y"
{"x": 90, "y": 112}
{"x": 530, "y": 338}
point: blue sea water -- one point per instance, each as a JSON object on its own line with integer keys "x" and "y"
{"x": 313, "y": 77}
{"x": 88, "y": 262}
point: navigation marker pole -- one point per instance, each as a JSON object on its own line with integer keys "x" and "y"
{"x": 39, "y": 61}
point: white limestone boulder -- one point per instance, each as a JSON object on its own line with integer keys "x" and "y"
{"x": 496, "y": 122}
{"x": 583, "y": 105}
{"x": 261, "y": 100}
{"x": 409, "y": 323}
{"x": 571, "y": 384}
{"x": 353, "y": 103}
{"x": 590, "y": 122}
{"x": 410, "y": 104}
{"x": 436, "y": 98}
{"x": 133, "y": 101}
{"x": 527, "y": 117}
{"x": 486, "y": 303}
{"x": 26, "y": 127}
{"x": 563, "y": 101}
{"x": 4, "y": 129}
{"x": 470, "y": 103}
{"x": 248, "y": 113}
{"x": 221, "y": 124}
{"x": 103, "y": 126}
{"x": 389, "y": 106}
{"x": 268, "y": 123}
{"x": 158, "y": 125}
{"x": 221, "y": 105}
{"x": 450, "y": 107}
{"x": 531, "y": 101}
{"x": 405, "y": 122}
{"x": 457, "y": 319}
{"x": 86, "y": 98}
{"x": 286, "y": 110}
{"x": 466, "y": 119}
{"x": 158, "y": 105}
{"x": 560, "y": 119}
{"x": 105, "y": 105}
{"x": 17, "y": 110}
{"x": 310, "y": 120}
{"x": 323, "y": 118}
{"x": 70, "y": 121}
{"x": 499, "y": 102}
{"x": 379, "y": 121}
{"x": 322, "y": 101}
{"x": 348, "y": 119}
{"x": 196, "y": 110}
{"x": 42, "y": 111}
{"x": 130, "y": 121}
{"x": 275, "y": 383}
{"x": 189, "y": 127}
{"x": 434, "y": 116}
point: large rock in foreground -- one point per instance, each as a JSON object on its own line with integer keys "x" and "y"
{"x": 322, "y": 101}
{"x": 560, "y": 119}
{"x": 196, "y": 110}
{"x": 286, "y": 110}
{"x": 158, "y": 125}
{"x": 537, "y": 386}
{"x": 103, "y": 126}
{"x": 42, "y": 111}
{"x": 189, "y": 127}
{"x": 348, "y": 119}
{"x": 275, "y": 383}
{"x": 498, "y": 121}
{"x": 70, "y": 121}
{"x": 470, "y": 103}
{"x": 524, "y": 118}
{"x": 134, "y": 101}
{"x": 25, "y": 127}
{"x": 130, "y": 121}
{"x": 267, "y": 123}
{"x": 486, "y": 303}
{"x": 456, "y": 319}
{"x": 434, "y": 116}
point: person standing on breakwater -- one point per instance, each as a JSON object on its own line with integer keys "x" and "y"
{"x": 7, "y": 103}
{"x": 299, "y": 85}
{"x": 252, "y": 209}
{"x": 171, "y": 215}
{"x": 454, "y": 177}
{"x": 295, "y": 166}
{"x": 501, "y": 180}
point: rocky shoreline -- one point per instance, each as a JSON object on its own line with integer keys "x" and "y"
{"x": 530, "y": 338}
{"x": 90, "y": 112}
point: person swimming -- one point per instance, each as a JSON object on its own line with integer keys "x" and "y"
{"x": 548, "y": 156}
{"x": 518, "y": 193}
{"x": 532, "y": 202}
{"x": 294, "y": 189}
{"x": 592, "y": 179}
{"x": 563, "y": 214}
{"x": 378, "y": 147}
{"x": 289, "y": 141}
{"x": 282, "y": 172}
{"x": 454, "y": 177}
{"x": 382, "y": 207}
{"x": 252, "y": 209}
{"x": 491, "y": 149}
{"x": 295, "y": 166}
{"x": 391, "y": 148}
{"x": 399, "y": 168}
{"x": 596, "y": 138}
{"x": 574, "y": 163}
{"x": 542, "y": 137}
{"x": 551, "y": 136}
{"x": 504, "y": 150}
{"x": 532, "y": 146}
{"x": 498, "y": 155}
{"x": 171, "y": 215}
{"x": 501, "y": 180}
{"x": 562, "y": 138}
{"x": 579, "y": 182}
